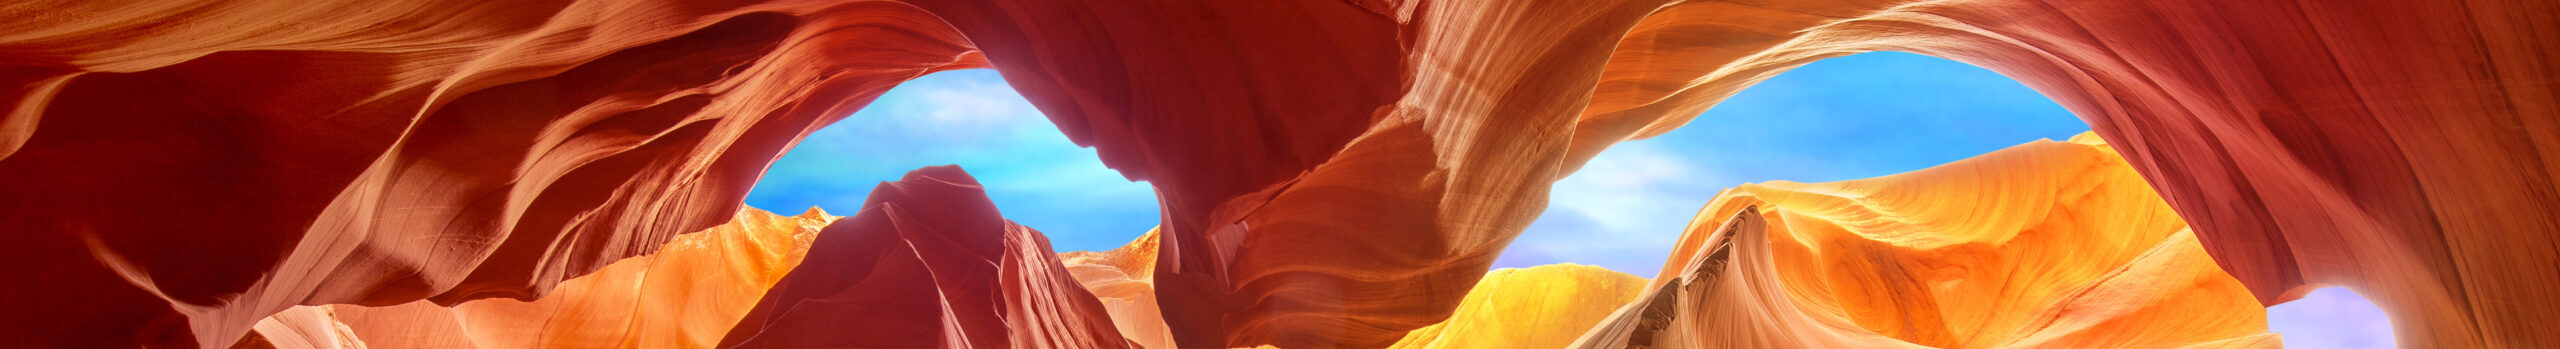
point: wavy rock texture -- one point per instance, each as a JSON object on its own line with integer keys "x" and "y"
{"x": 687, "y": 295}
{"x": 419, "y": 325}
{"x": 1123, "y": 279}
{"x": 301, "y": 328}
{"x": 2375, "y": 145}
{"x": 383, "y": 152}
{"x": 1544, "y": 306}
{"x": 928, "y": 263}
{"x": 379, "y": 153}
{"x": 2043, "y": 245}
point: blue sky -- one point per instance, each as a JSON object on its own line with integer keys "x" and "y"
{"x": 1844, "y": 118}
{"x": 970, "y": 118}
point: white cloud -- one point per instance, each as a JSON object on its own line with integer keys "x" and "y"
{"x": 2331, "y": 318}
{"x": 966, "y": 104}
{"x": 1622, "y": 211}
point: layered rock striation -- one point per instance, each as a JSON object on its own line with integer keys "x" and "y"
{"x": 377, "y": 153}
{"x": 927, "y": 263}
{"x": 1545, "y": 306}
{"x": 2043, "y": 245}
{"x": 1124, "y": 280}
{"x": 686, "y": 295}
{"x": 914, "y": 269}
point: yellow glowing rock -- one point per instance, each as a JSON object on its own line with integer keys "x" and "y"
{"x": 1545, "y": 306}
{"x": 685, "y": 296}
{"x": 2047, "y": 244}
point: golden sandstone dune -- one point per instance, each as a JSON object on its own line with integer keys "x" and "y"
{"x": 380, "y": 153}
{"x": 694, "y": 292}
{"x": 2043, "y": 245}
{"x": 686, "y": 295}
{"x": 1544, "y": 306}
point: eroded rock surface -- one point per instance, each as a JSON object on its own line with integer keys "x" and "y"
{"x": 379, "y": 153}
{"x": 178, "y": 171}
{"x": 1123, "y": 279}
{"x": 1545, "y": 306}
{"x": 927, "y": 263}
{"x": 2043, "y": 245}
{"x": 301, "y": 328}
{"x": 687, "y": 295}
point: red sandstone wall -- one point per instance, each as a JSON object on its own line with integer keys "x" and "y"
{"x": 173, "y": 171}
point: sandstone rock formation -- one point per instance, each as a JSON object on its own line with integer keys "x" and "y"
{"x": 695, "y": 291}
{"x": 418, "y": 325}
{"x": 1123, "y": 279}
{"x": 301, "y": 328}
{"x": 1545, "y": 306}
{"x": 687, "y": 295}
{"x": 927, "y": 263}
{"x": 2043, "y": 245}
{"x": 379, "y": 153}
{"x": 174, "y": 172}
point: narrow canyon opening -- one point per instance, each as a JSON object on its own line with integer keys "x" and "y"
{"x": 2331, "y": 317}
{"x": 970, "y": 118}
{"x": 575, "y": 173}
{"x": 1850, "y": 117}
{"x": 1847, "y": 118}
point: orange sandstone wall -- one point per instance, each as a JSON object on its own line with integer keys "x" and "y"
{"x": 1124, "y": 280}
{"x": 686, "y": 295}
{"x": 1545, "y": 306}
{"x": 382, "y": 152}
{"x": 2400, "y": 148}
{"x": 378, "y": 153}
{"x": 2043, "y": 245}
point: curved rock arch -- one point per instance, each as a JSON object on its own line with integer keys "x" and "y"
{"x": 182, "y": 169}
{"x": 2257, "y": 125}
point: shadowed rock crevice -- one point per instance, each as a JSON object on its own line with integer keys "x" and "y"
{"x": 1642, "y": 324}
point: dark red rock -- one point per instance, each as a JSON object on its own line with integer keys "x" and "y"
{"x": 173, "y": 171}
{"x": 202, "y": 165}
{"x": 928, "y": 263}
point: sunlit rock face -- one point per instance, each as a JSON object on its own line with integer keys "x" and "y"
{"x": 1123, "y": 279}
{"x": 687, "y": 295}
{"x": 419, "y": 325}
{"x": 1545, "y": 306}
{"x": 301, "y": 328}
{"x": 2043, "y": 245}
{"x": 690, "y": 294}
{"x": 182, "y": 170}
{"x": 928, "y": 263}
{"x": 380, "y": 153}
{"x": 2382, "y": 146}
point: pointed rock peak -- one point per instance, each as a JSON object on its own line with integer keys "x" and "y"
{"x": 815, "y": 212}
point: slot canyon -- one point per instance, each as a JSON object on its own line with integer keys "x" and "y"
{"x": 1324, "y": 173}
